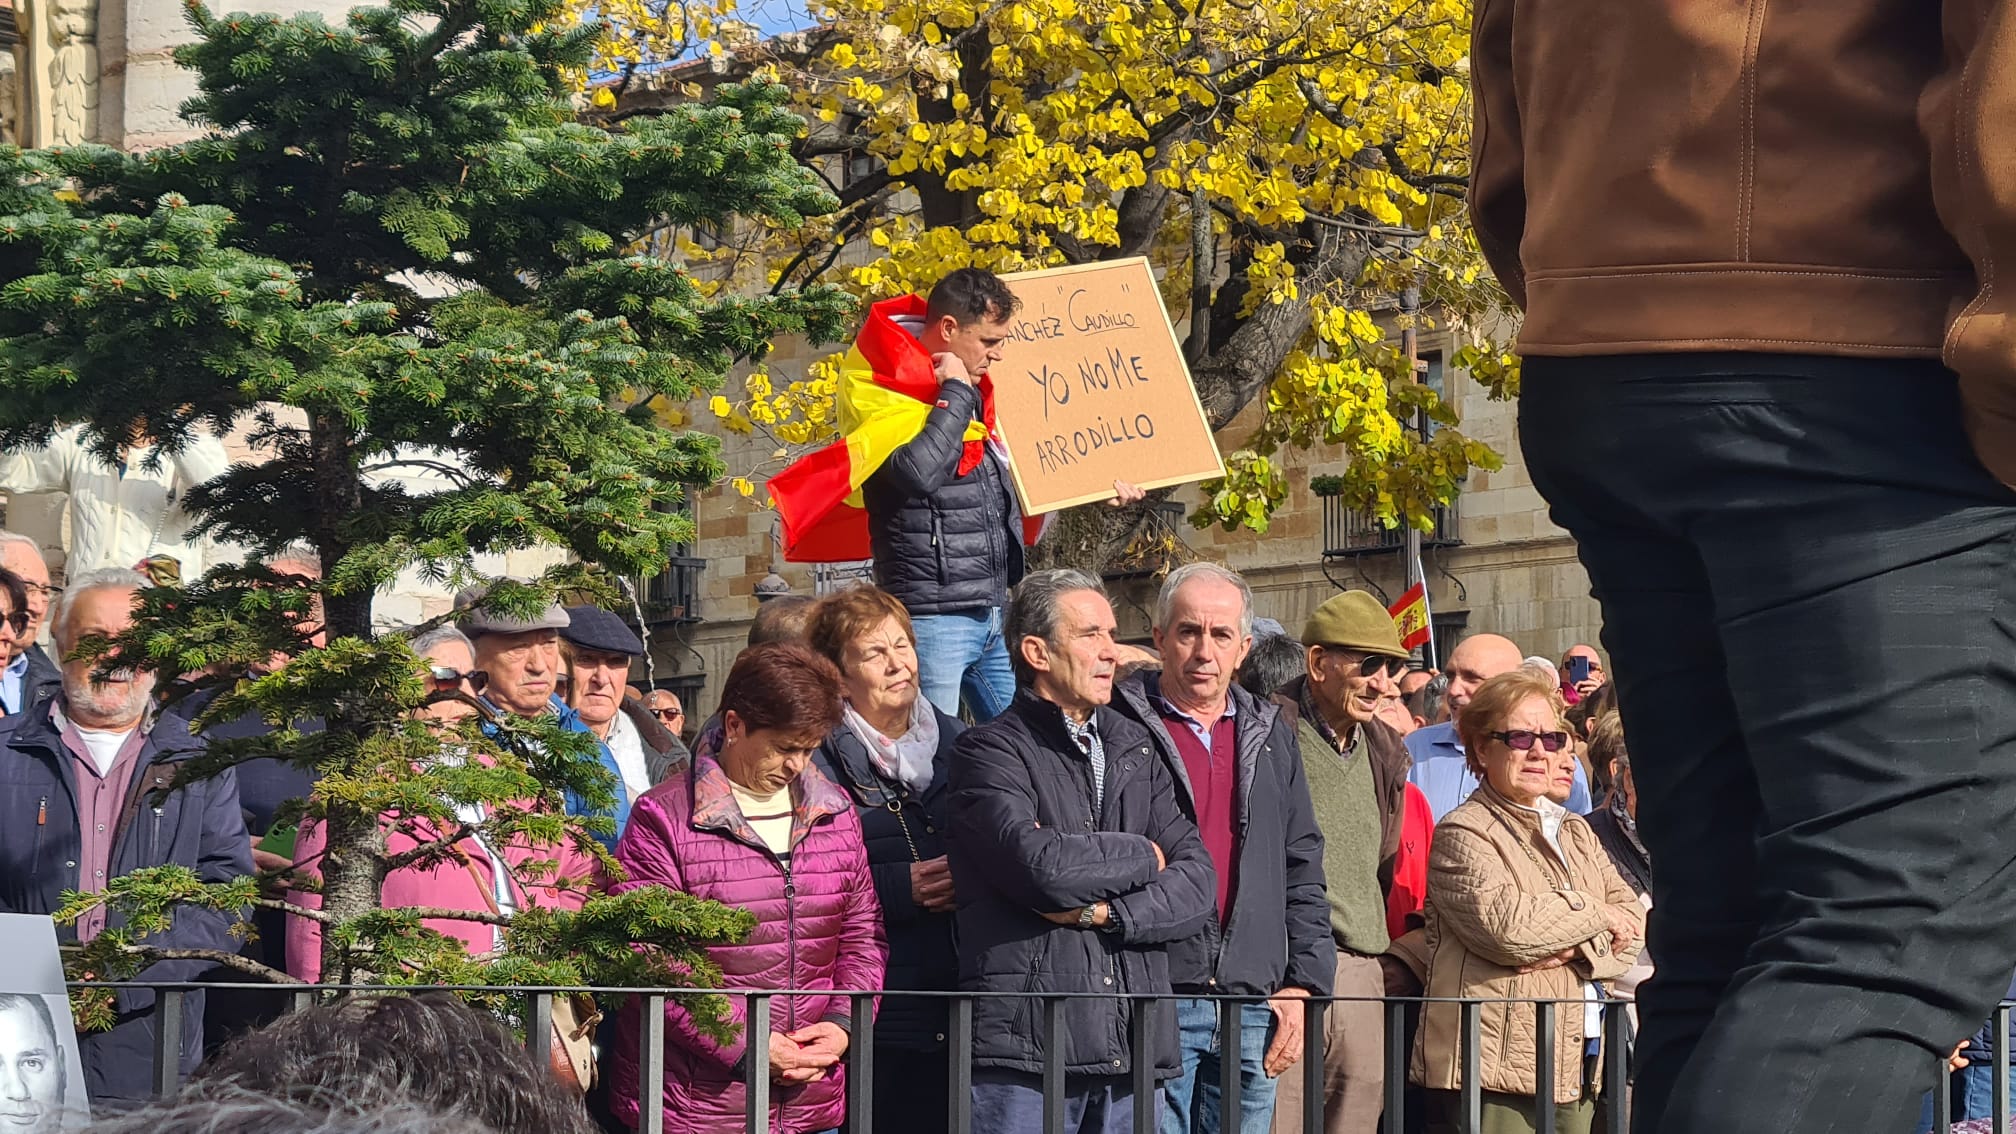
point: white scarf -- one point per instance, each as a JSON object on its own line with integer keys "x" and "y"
{"x": 907, "y": 759}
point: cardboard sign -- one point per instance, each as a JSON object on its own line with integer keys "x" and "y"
{"x": 38, "y": 1040}
{"x": 1092, "y": 388}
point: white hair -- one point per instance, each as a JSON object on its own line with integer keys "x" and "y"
{"x": 1543, "y": 667}
{"x": 442, "y": 635}
{"x": 298, "y": 554}
{"x": 7, "y": 537}
{"x": 1166, "y": 601}
{"x": 103, "y": 579}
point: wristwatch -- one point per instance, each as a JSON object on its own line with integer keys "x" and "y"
{"x": 1086, "y": 915}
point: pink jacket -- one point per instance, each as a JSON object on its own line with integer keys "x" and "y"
{"x": 818, "y": 927}
{"x": 452, "y": 885}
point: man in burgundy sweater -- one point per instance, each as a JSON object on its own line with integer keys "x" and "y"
{"x": 1239, "y": 776}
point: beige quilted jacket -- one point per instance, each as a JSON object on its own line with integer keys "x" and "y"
{"x": 1491, "y": 909}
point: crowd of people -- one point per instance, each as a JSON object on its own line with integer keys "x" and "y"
{"x": 1132, "y": 821}
{"x": 955, "y": 780}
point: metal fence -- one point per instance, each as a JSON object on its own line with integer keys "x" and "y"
{"x": 171, "y": 1002}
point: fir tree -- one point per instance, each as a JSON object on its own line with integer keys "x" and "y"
{"x": 397, "y": 248}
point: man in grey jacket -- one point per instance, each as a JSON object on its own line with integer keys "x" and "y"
{"x": 1235, "y": 760}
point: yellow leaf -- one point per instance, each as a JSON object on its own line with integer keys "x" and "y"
{"x": 743, "y": 486}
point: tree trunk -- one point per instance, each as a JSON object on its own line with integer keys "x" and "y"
{"x": 353, "y": 882}
{"x": 339, "y": 493}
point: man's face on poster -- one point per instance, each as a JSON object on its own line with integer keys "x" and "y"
{"x": 31, "y": 1070}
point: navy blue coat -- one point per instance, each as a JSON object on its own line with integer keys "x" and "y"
{"x": 902, "y": 828}
{"x": 1279, "y": 931}
{"x": 1029, "y": 837}
{"x": 198, "y": 826}
{"x": 944, "y": 542}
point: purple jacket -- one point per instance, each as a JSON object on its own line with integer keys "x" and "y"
{"x": 818, "y": 927}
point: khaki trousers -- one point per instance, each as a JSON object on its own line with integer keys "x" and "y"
{"x": 1354, "y": 1057}
{"x": 1507, "y": 1114}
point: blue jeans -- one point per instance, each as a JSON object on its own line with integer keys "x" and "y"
{"x": 964, "y": 651}
{"x": 1011, "y": 1102}
{"x": 1193, "y": 1097}
{"x": 1972, "y": 1093}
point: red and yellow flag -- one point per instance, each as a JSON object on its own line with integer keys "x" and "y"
{"x": 887, "y": 388}
{"x": 1410, "y": 616}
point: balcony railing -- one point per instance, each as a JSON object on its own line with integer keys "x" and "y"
{"x": 673, "y": 595}
{"x": 1351, "y": 532}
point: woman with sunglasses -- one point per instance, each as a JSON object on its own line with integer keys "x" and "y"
{"x": 1523, "y": 906}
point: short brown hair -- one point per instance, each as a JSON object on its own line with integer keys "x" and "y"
{"x": 1495, "y": 700}
{"x": 846, "y": 615}
{"x": 785, "y": 686}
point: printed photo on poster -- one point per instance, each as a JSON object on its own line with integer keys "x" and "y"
{"x": 41, "y": 1074}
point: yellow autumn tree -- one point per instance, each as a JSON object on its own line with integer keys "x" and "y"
{"x": 1291, "y": 167}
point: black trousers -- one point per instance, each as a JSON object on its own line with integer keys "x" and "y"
{"x": 1809, "y": 594}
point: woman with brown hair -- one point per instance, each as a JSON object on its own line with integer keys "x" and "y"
{"x": 752, "y": 823}
{"x": 1523, "y": 906}
{"x": 890, "y": 755}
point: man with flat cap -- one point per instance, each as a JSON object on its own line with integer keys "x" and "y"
{"x": 522, "y": 658}
{"x": 603, "y": 649}
{"x": 1357, "y": 771}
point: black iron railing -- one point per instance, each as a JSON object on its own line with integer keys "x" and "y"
{"x": 673, "y": 595}
{"x": 1352, "y": 531}
{"x": 1150, "y": 1013}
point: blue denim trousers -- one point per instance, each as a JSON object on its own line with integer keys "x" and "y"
{"x": 964, "y": 652}
{"x": 1971, "y": 1092}
{"x": 1011, "y": 1102}
{"x": 1191, "y": 1100}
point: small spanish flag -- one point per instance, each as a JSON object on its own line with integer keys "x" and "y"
{"x": 886, "y": 390}
{"x": 1410, "y": 616}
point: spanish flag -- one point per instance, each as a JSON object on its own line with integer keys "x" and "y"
{"x": 887, "y": 388}
{"x": 1410, "y": 616}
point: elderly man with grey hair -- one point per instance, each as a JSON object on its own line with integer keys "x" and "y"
{"x": 1074, "y": 866}
{"x": 90, "y": 792}
{"x": 1239, "y": 777}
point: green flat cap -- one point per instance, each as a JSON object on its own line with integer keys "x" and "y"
{"x": 1354, "y": 620}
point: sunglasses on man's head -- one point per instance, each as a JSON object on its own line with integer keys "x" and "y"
{"x": 1524, "y": 739}
{"x": 449, "y": 676}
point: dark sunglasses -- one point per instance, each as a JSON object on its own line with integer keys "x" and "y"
{"x": 450, "y": 676}
{"x": 1523, "y": 739}
{"x": 668, "y": 714}
{"x": 19, "y": 621}
{"x": 1374, "y": 663}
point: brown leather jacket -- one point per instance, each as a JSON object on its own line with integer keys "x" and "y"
{"x": 1794, "y": 176}
{"x": 1492, "y": 908}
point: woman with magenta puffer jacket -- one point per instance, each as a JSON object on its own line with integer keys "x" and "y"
{"x": 754, "y": 824}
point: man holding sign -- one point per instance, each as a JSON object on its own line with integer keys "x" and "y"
{"x": 921, "y": 463}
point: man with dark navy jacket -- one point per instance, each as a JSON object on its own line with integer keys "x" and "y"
{"x": 89, "y": 793}
{"x": 1075, "y": 868}
{"x": 943, "y": 520}
{"x": 1239, "y": 777}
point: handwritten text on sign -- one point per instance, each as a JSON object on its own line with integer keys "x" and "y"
{"x": 1093, "y": 389}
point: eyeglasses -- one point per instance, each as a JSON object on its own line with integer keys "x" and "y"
{"x": 448, "y": 677}
{"x": 44, "y": 589}
{"x": 17, "y": 620}
{"x": 668, "y": 715}
{"x": 1523, "y": 740}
